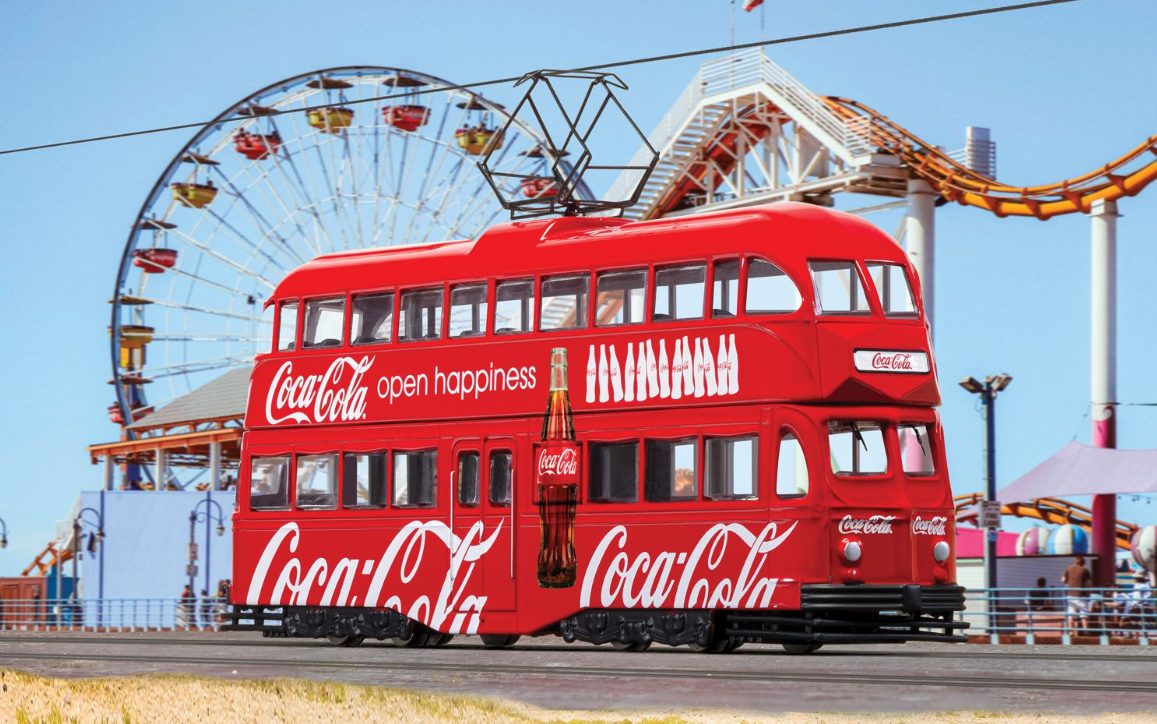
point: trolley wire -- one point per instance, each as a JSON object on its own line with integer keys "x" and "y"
{"x": 602, "y": 66}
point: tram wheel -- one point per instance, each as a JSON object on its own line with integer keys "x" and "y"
{"x": 417, "y": 639}
{"x": 721, "y": 645}
{"x": 499, "y": 641}
{"x": 801, "y": 648}
{"x": 631, "y": 646}
{"x": 437, "y": 639}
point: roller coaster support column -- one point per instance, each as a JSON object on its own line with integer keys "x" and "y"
{"x": 920, "y": 236}
{"x": 1104, "y": 377}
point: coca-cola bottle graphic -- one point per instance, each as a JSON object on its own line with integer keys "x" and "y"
{"x": 557, "y": 474}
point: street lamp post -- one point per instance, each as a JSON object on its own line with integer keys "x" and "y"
{"x": 988, "y": 391}
{"x": 195, "y": 516}
{"x": 3, "y": 534}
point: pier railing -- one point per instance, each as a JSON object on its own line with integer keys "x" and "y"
{"x": 111, "y": 614}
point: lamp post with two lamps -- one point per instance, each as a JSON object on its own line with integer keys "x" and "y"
{"x": 3, "y": 534}
{"x": 988, "y": 391}
{"x": 196, "y": 515}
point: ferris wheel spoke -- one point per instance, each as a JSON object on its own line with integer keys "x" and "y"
{"x": 338, "y": 211}
{"x": 289, "y": 214}
{"x": 226, "y": 260}
{"x": 258, "y": 174}
{"x": 203, "y": 365}
{"x": 202, "y": 310}
{"x": 239, "y": 237}
{"x": 297, "y": 185}
{"x": 267, "y": 230}
{"x": 194, "y": 337}
{"x": 307, "y": 166}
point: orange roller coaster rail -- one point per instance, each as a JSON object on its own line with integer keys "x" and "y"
{"x": 1126, "y": 176}
{"x": 1050, "y": 510}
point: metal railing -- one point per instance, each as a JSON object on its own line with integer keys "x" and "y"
{"x": 112, "y": 614}
{"x": 1061, "y": 615}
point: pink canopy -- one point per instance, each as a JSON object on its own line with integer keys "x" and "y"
{"x": 1078, "y": 469}
{"x": 970, "y": 543}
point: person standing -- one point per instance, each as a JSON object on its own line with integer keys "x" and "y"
{"x": 1077, "y": 578}
{"x": 185, "y": 608}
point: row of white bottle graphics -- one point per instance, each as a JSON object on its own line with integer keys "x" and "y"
{"x": 690, "y": 371}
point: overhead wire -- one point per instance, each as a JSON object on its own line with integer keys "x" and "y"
{"x": 602, "y": 66}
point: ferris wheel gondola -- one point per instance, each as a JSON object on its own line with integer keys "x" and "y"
{"x": 303, "y": 167}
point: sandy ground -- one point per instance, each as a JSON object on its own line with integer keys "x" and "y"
{"x": 27, "y": 699}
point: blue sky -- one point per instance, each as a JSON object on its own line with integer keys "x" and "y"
{"x": 1065, "y": 90}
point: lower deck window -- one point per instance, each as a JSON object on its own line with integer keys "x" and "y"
{"x": 791, "y": 470}
{"x": 732, "y": 464}
{"x": 672, "y": 470}
{"x": 416, "y": 478}
{"x": 269, "y": 483}
{"x": 316, "y": 481}
{"x": 468, "y": 475}
{"x": 364, "y": 481}
{"x": 857, "y": 448}
{"x": 916, "y": 450}
{"x": 614, "y": 476}
{"x": 501, "y": 475}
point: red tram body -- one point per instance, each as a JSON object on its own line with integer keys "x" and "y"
{"x": 759, "y": 457}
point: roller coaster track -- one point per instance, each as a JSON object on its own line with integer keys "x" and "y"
{"x": 1126, "y": 176}
{"x": 1050, "y": 510}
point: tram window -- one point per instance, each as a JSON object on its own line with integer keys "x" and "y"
{"x": 324, "y": 319}
{"x": 416, "y": 479}
{"x": 364, "y": 481}
{"x": 287, "y": 325}
{"x": 614, "y": 476}
{"x": 916, "y": 450}
{"x": 269, "y": 483}
{"x": 501, "y": 476}
{"x": 838, "y": 288}
{"x": 421, "y": 315}
{"x": 679, "y": 292}
{"x": 725, "y": 302}
{"x": 857, "y": 448}
{"x": 468, "y": 464}
{"x": 468, "y": 310}
{"x": 372, "y": 318}
{"x": 791, "y": 478}
{"x": 672, "y": 470}
{"x": 769, "y": 290}
{"x": 895, "y": 292}
{"x": 621, "y": 297}
{"x": 514, "y": 307}
{"x": 316, "y": 481}
{"x": 564, "y": 302}
{"x": 732, "y": 464}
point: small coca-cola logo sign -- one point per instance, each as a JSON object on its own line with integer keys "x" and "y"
{"x": 932, "y": 526}
{"x": 877, "y": 524}
{"x": 557, "y": 463}
{"x": 883, "y": 360}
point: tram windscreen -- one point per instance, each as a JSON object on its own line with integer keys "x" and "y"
{"x": 838, "y": 288}
{"x": 916, "y": 450}
{"x": 857, "y": 448}
{"x": 269, "y": 483}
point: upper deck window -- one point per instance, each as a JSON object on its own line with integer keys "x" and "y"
{"x": 725, "y": 300}
{"x": 421, "y": 315}
{"x": 416, "y": 479}
{"x": 269, "y": 483}
{"x": 895, "y": 292}
{"x": 372, "y": 320}
{"x": 769, "y": 290}
{"x": 324, "y": 319}
{"x": 317, "y": 481}
{"x": 732, "y": 464}
{"x": 679, "y": 292}
{"x": 564, "y": 302}
{"x": 857, "y": 448}
{"x": 364, "y": 480}
{"x": 287, "y": 325}
{"x": 916, "y": 450}
{"x": 838, "y": 288}
{"x": 468, "y": 308}
{"x": 622, "y": 296}
{"x": 514, "y": 307}
{"x": 672, "y": 472}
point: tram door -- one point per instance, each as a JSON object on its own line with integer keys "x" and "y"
{"x": 481, "y": 485}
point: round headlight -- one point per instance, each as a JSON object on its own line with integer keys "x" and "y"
{"x": 941, "y": 551}
{"x": 852, "y": 551}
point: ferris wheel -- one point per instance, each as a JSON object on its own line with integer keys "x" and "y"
{"x": 307, "y": 170}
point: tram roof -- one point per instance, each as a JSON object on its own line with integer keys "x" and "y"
{"x": 798, "y": 232}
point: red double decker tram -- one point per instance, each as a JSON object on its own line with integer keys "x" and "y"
{"x": 739, "y": 441}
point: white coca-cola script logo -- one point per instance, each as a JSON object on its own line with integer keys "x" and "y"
{"x": 332, "y": 396}
{"x": 403, "y": 556}
{"x": 933, "y": 526}
{"x": 680, "y": 579}
{"x": 877, "y": 524}
{"x": 563, "y": 462}
{"x": 898, "y": 361}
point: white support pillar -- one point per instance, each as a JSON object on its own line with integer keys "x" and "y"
{"x": 920, "y": 235}
{"x": 109, "y": 471}
{"x": 161, "y": 473}
{"x": 1103, "y": 342}
{"x": 214, "y": 466}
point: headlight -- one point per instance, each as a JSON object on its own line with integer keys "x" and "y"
{"x": 852, "y": 551}
{"x": 941, "y": 551}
